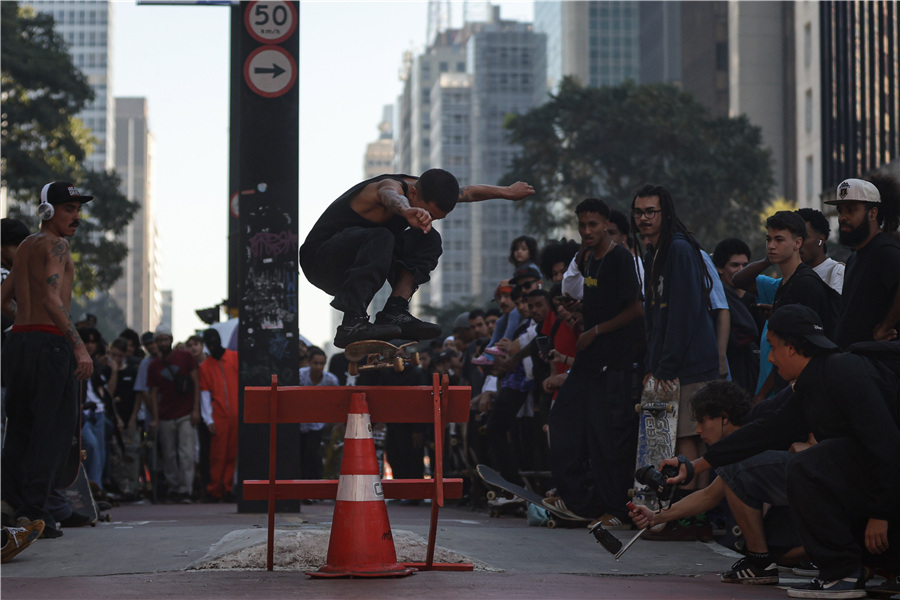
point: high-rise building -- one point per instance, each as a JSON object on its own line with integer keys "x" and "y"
{"x": 86, "y": 26}
{"x": 860, "y": 103}
{"x": 137, "y": 291}
{"x": 457, "y": 96}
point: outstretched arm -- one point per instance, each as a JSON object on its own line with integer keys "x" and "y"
{"x": 745, "y": 279}
{"x": 479, "y": 193}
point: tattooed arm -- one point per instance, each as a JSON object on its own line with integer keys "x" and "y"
{"x": 390, "y": 194}
{"x": 478, "y": 193}
{"x": 58, "y": 259}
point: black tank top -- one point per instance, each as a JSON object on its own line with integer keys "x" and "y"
{"x": 339, "y": 215}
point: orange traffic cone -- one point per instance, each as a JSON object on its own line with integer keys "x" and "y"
{"x": 361, "y": 542}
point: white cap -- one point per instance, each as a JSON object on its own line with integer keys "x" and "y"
{"x": 855, "y": 190}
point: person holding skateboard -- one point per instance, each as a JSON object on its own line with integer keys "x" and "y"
{"x": 381, "y": 230}
{"x": 43, "y": 356}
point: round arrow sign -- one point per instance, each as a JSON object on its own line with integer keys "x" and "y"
{"x": 270, "y": 22}
{"x": 270, "y": 71}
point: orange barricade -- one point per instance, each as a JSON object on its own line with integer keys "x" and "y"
{"x": 439, "y": 404}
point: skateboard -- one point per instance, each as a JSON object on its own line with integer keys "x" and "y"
{"x": 379, "y": 354}
{"x": 81, "y": 498}
{"x": 656, "y": 435}
{"x": 68, "y": 474}
{"x": 493, "y": 478}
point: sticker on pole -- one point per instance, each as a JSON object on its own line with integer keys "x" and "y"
{"x": 270, "y": 22}
{"x": 270, "y": 71}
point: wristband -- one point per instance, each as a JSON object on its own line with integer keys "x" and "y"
{"x": 689, "y": 466}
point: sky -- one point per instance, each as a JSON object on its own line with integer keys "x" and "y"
{"x": 177, "y": 57}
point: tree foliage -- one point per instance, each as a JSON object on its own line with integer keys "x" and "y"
{"x": 605, "y": 142}
{"x": 43, "y": 141}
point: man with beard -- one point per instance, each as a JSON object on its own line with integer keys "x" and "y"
{"x": 871, "y": 296}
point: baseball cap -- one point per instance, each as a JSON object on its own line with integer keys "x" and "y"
{"x": 147, "y": 337}
{"x": 796, "y": 319}
{"x": 59, "y": 192}
{"x": 526, "y": 272}
{"x": 855, "y": 190}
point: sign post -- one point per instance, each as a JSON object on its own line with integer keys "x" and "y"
{"x": 267, "y": 203}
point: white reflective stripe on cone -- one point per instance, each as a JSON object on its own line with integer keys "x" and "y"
{"x": 359, "y": 427}
{"x": 359, "y": 488}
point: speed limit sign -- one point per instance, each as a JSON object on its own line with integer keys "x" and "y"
{"x": 271, "y": 22}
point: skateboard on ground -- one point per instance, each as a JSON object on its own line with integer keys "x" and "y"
{"x": 656, "y": 435}
{"x": 81, "y": 498}
{"x": 493, "y": 478}
{"x": 379, "y": 354}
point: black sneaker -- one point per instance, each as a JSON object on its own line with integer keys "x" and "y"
{"x": 848, "y": 587}
{"x": 806, "y": 569}
{"x": 357, "y": 329}
{"x": 745, "y": 571}
{"x": 397, "y": 313}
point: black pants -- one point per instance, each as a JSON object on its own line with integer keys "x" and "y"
{"x": 593, "y": 441}
{"x": 354, "y": 264}
{"x": 500, "y": 421}
{"x": 43, "y": 416}
{"x": 311, "y": 465}
{"x": 826, "y": 487}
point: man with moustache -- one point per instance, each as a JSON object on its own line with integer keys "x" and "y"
{"x": 43, "y": 356}
{"x": 871, "y": 296}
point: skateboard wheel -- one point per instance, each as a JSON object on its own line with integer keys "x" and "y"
{"x": 670, "y": 408}
{"x": 739, "y": 544}
{"x": 492, "y": 495}
{"x": 353, "y": 369}
{"x": 551, "y": 524}
{"x": 414, "y": 359}
{"x": 736, "y": 531}
{"x": 631, "y": 493}
{"x": 637, "y": 408}
{"x": 398, "y": 364}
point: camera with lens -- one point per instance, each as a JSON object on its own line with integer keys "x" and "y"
{"x": 656, "y": 480}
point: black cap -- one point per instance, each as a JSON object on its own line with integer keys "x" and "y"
{"x": 796, "y": 319}
{"x": 526, "y": 272}
{"x": 147, "y": 337}
{"x": 59, "y": 192}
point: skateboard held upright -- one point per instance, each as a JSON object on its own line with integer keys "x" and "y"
{"x": 656, "y": 436}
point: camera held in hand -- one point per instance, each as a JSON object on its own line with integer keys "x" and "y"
{"x": 656, "y": 480}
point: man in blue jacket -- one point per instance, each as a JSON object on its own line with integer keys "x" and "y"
{"x": 681, "y": 338}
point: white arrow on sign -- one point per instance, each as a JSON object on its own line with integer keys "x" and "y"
{"x": 270, "y": 71}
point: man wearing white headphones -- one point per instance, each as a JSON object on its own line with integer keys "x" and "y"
{"x": 43, "y": 355}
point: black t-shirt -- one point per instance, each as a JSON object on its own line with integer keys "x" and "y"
{"x": 610, "y": 285}
{"x": 806, "y": 287}
{"x": 124, "y": 398}
{"x": 870, "y": 283}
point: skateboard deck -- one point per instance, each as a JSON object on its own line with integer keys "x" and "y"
{"x": 81, "y": 498}
{"x": 493, "y": 478}
{"x": 379, "y": 354}
{"x": 68, "y": 474}
{"x": 656, "y": 434}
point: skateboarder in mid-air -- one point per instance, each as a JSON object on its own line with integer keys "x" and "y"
{"x": 381, "y": 230}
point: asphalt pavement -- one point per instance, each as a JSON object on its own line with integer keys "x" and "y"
{"x": 153, "y": 551}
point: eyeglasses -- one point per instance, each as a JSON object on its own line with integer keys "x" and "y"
{"x": 649, "y": 213}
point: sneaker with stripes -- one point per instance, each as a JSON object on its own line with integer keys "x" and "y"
{"x": 746, "y": 571}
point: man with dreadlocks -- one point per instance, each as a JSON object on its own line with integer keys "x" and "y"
{"x": 681, "y": 337}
